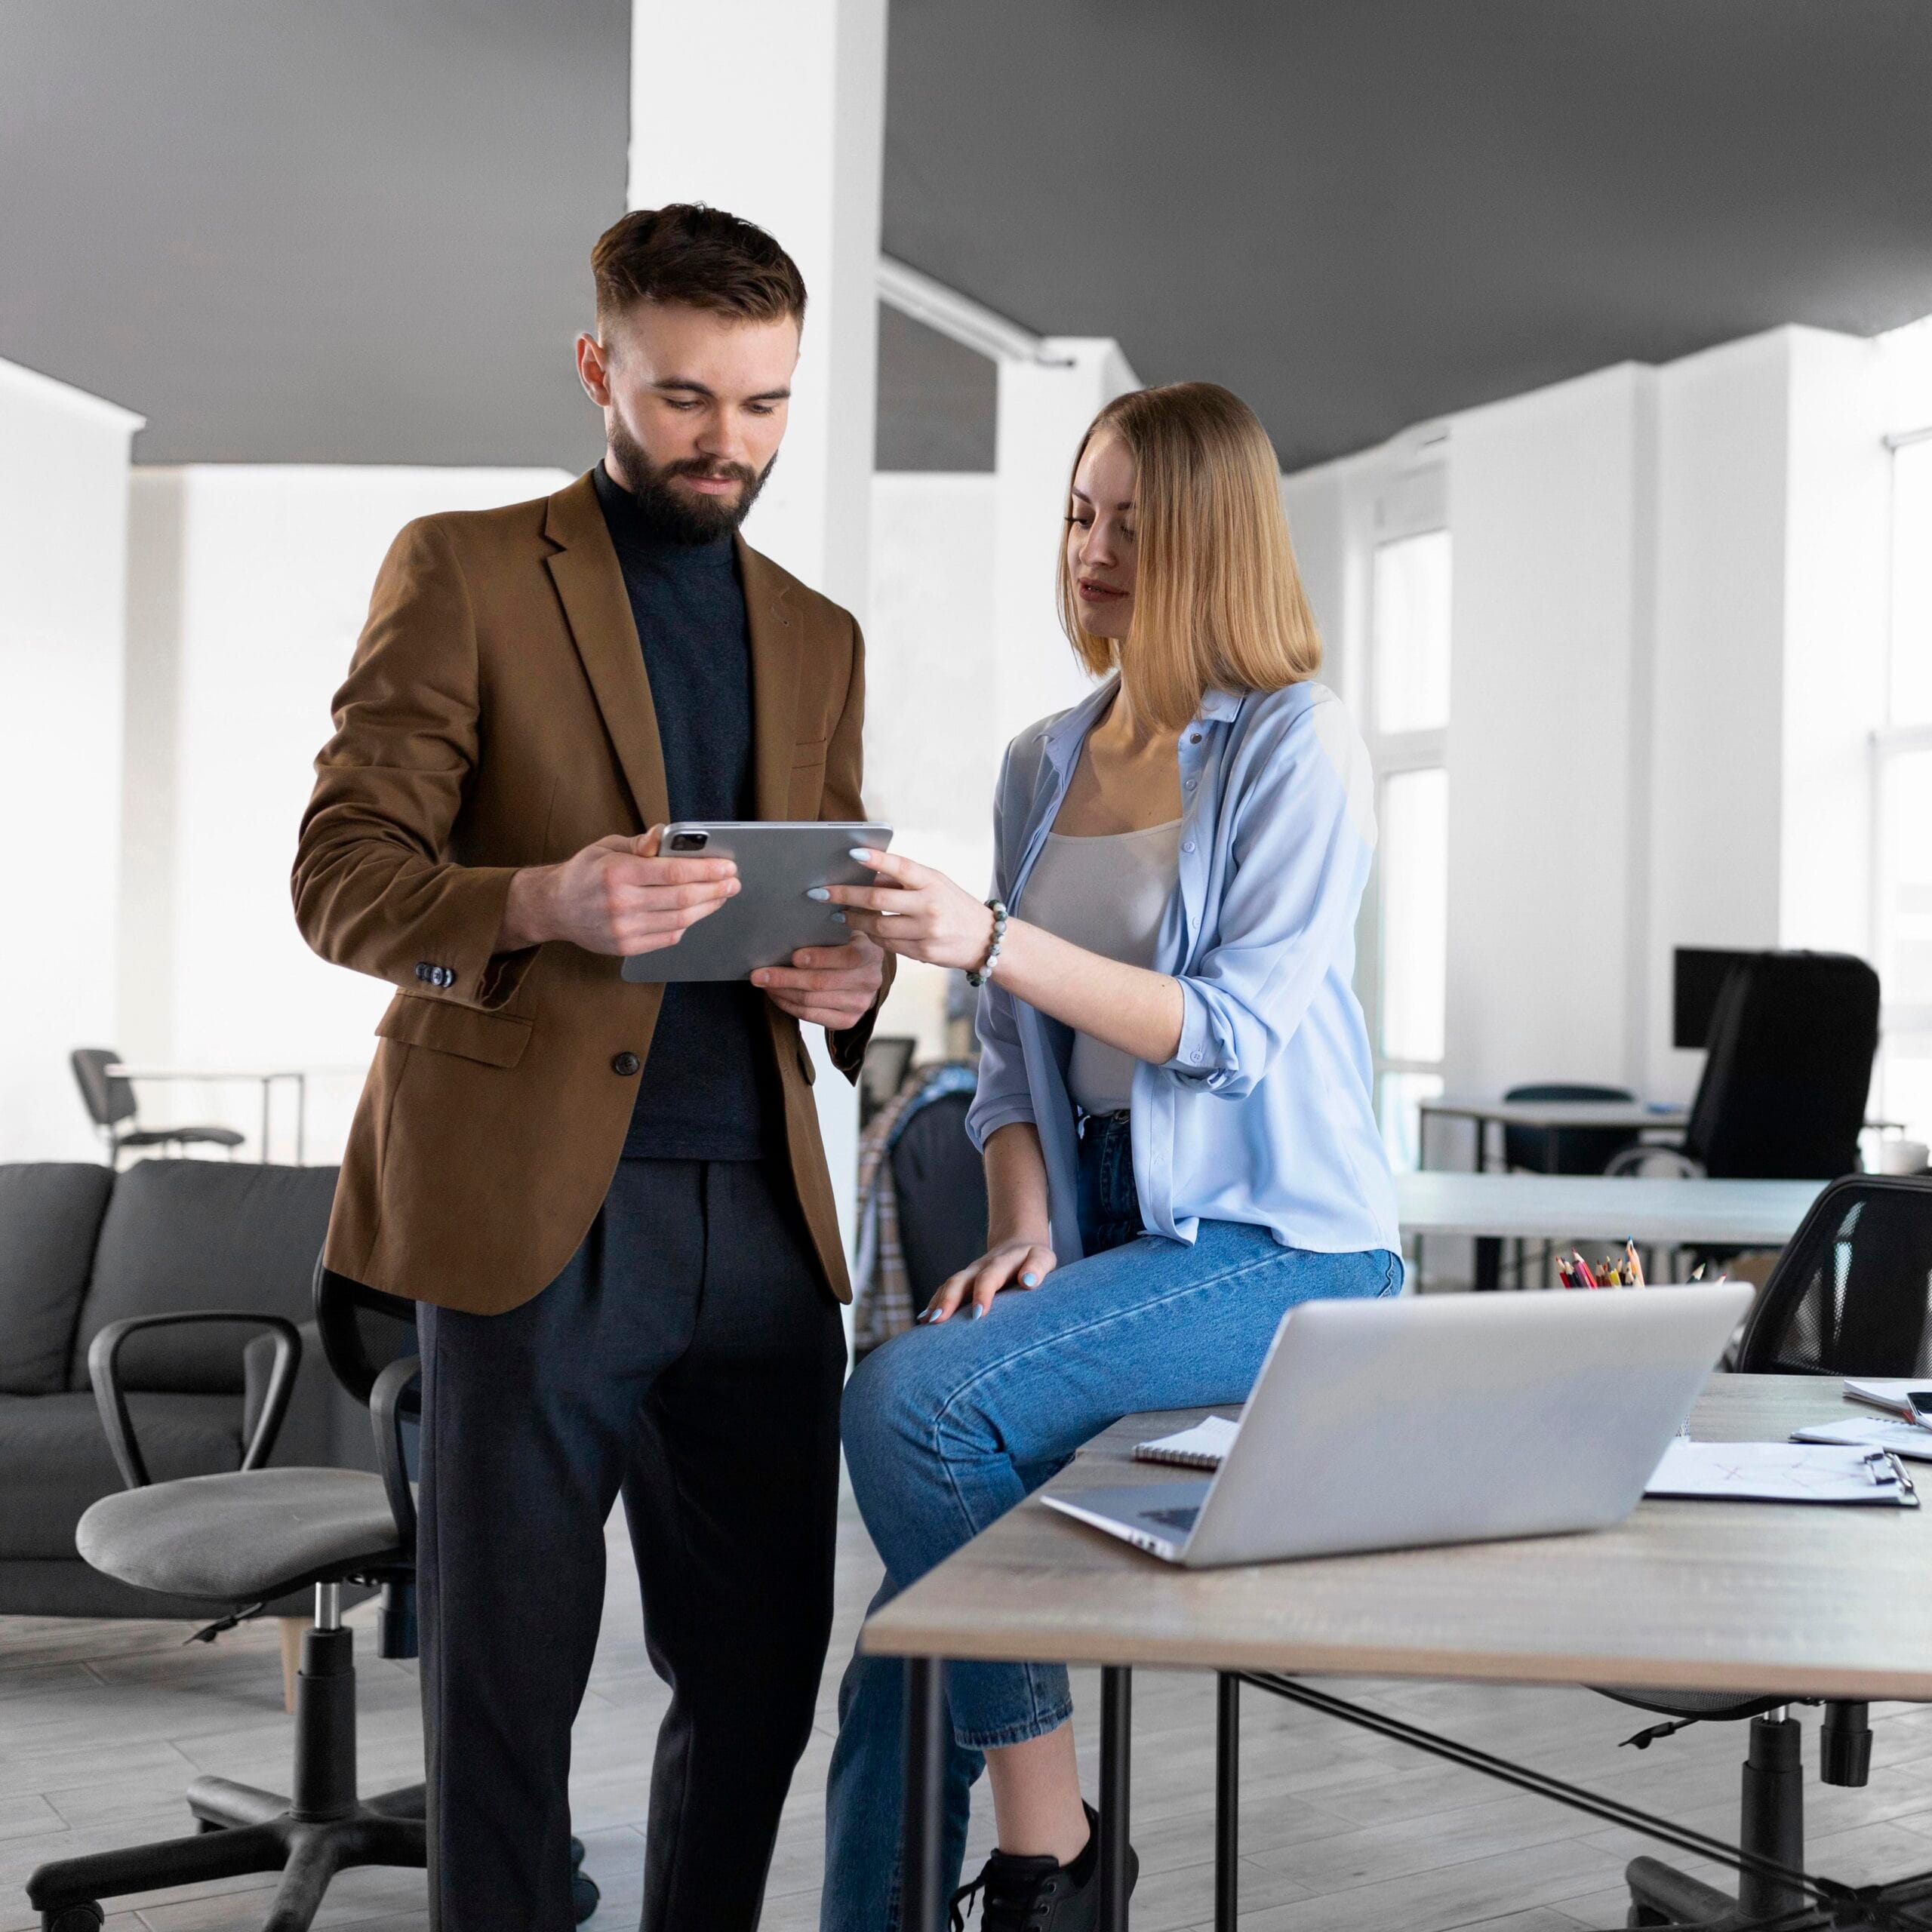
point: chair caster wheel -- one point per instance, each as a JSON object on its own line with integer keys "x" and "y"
{"x": 204, "y": 1826}
{"x": 584, "y": 1895}
{"x": 87, "y": 1918}
{"x": 576, "y": 1853}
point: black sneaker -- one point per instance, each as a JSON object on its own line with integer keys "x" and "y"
{"x": 1038, "y": 1894}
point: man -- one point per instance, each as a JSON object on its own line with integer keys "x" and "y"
{"x": 610, "y": 1199}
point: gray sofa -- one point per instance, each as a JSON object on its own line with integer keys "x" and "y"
{"x": 80, "y": 1246}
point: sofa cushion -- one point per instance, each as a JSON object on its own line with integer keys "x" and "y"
{"x": 184, "y": 1235}
{"x": 50, "y": 1218}
{"x": 54, "y": 1454}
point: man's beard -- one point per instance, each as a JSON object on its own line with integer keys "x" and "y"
{"x": 683, "y": 517}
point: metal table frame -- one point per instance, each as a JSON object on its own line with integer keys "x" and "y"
{"x": 1800, "y": 1901}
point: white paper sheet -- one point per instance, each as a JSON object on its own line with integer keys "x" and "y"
{"x": 1776, "y": 1473}
{"x": 1902, "y": 1438}
{"x": 1882, "y": 1391}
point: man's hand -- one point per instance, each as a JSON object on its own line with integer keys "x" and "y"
{"x": 832, "y": 986}
{"x": 617, "y": 896}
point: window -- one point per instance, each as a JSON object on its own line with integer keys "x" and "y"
{"x": 1902, "y": 758}
{"x": 1404, "y": 952}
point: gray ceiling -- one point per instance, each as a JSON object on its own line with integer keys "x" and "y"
{"x": 357, "y": 231}
{"x": 1360, "y": 213}
{"x": 348, "y": 231}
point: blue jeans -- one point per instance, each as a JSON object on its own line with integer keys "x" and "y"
{"x": 947, "y": 1427}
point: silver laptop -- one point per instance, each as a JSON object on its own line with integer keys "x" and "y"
{"x": 1384, "y": 1425}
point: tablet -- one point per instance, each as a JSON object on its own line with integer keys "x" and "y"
{"x": 770, "y": 918}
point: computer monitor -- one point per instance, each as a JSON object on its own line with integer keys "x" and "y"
{"x": 1698, "y": 978}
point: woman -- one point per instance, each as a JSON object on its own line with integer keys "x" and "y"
{"x": 1174, "y": 1100}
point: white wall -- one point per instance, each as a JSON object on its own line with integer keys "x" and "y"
{"x": 1718, "y": 724}
{"x": 1544, "y": 622}
{"x": 932, "y": 743}
{"x": 932, "y": 748}
{"x": 247, "y": 587}
{"x": 1669, "y": 631}
{"x": 63, "y": 494}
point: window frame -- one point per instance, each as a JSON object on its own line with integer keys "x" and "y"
{"x": 1413, "y": 502}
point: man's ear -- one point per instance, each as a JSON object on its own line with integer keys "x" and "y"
{"x": 593, "y": 370}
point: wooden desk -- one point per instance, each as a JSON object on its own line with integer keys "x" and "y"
{"x": 1747, "y": 1597}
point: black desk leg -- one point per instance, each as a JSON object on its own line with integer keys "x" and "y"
{"x": 1227, "y": 1801}
{"x": 1116, "y": 1755}
{"x": 925, "y": 1796}
{"x": 1489, "y": 1261}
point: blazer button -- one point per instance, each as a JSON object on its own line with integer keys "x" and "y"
{"x": 425, "y": 971}
{"x": 446, "y": 976}
{"x": 626, "y": 1064}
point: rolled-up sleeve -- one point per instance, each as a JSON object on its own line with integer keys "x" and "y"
{"x": 1302, "y": 840}
{"x": 1003, "y": 1095}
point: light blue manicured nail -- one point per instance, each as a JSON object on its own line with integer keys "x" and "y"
{"x": 863, "y": 853}
{"x": 1030, "y": 1280}
{"x": 980, "y": 1308}
{"x": 818, "y": 892}
{"x": 840, "y": 917}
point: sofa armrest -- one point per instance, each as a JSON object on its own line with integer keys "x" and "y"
{"x": 111, "y": 1398}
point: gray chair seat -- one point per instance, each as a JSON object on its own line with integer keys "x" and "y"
{"x": 54, "y": 1455}
{"x": 240, "y": 1538}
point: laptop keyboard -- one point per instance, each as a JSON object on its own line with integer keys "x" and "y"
{"x": 1174, "y": 1519}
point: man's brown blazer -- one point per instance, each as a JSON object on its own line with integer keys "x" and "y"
{"x": 497, "y": 715}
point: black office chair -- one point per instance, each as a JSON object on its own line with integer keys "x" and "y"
{"x": 247, "y": 1539}
{"x": 1851, "y": 1295}
{"x": 110, "y": 1100}
{"x": 1787, "y": 1074}
{"x": 941, "y": 1183}
{"x": 1563, "y": 1150}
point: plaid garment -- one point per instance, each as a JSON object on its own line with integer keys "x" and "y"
{"x": 881, "y": 1291}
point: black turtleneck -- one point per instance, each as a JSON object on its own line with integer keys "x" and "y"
{"x": 702, "y": 1096}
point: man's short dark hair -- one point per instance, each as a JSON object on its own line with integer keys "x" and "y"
{"x": 700, "y": 257}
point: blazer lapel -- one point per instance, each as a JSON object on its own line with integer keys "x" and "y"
{"x": 585, "y": 569}
{"x": 777, "y": 636}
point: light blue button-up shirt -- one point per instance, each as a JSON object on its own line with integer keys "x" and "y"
{"x": 1264, "y": 1115}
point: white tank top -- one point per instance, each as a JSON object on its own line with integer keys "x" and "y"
{"x": 1106, "y": 894}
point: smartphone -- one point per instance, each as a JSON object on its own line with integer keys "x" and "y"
{"x": 1919, "y": 1406}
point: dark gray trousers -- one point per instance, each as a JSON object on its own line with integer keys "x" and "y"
{"x": 691, "y": 1357}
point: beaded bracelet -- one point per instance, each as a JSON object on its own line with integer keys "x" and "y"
{"x": 997, "y": 908}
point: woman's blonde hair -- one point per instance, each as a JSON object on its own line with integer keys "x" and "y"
{"x": 1218, "y": 603}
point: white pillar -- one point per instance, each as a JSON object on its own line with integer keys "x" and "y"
{"x": 63, "y": 523}
{"x": 1045, "y": 405}
{"x": 775, "y": 109}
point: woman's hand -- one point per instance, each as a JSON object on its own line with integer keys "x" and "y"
{"x": 919, "y": 913}
{"x": 1020, "y": 1263}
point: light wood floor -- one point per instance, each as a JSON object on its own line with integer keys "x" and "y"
{"x": 102, "y": 1725}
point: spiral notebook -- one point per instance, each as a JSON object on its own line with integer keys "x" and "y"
{"x": 1200, "y": 1447}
